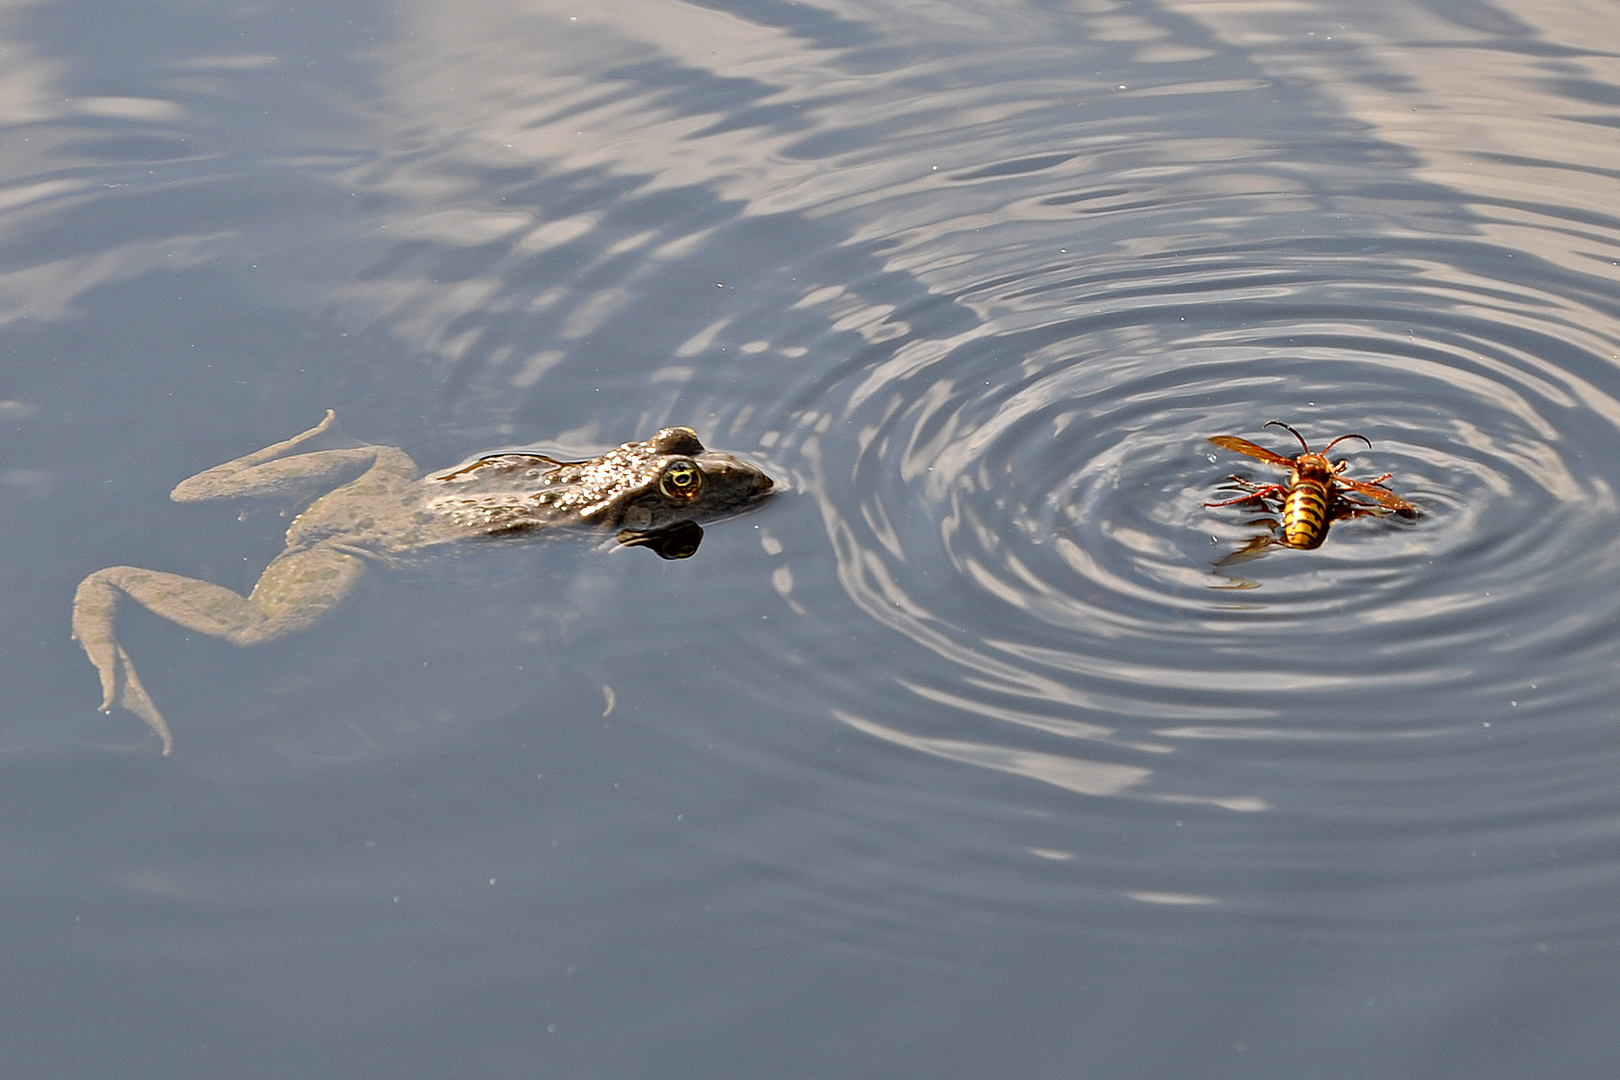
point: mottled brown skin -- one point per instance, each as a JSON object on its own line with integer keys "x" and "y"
{"x": 365, "y": 504}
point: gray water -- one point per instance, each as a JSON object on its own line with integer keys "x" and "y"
{"x": 964, "y": 756}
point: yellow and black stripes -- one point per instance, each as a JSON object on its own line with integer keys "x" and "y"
{"x": 1305, "y": 511}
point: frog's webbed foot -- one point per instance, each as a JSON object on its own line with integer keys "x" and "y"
{"x": 93, "y": 629}
{"x": 124, "y": 689}
{"x": 303, "y": 436}
{"x": 282, "y": 448}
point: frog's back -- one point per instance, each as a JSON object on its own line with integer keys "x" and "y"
{"x": 383, "y": 512}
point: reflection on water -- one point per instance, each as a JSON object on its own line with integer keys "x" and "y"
{"x": 978, "y": 281}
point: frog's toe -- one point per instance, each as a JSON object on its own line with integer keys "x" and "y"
{"x": 131, "y": 695}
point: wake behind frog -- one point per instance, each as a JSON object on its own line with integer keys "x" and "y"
{"x": 365, "y": 504}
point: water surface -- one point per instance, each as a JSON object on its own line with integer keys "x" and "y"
{"x": 963, "y": 756}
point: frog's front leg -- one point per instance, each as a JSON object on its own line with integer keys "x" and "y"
{"x": 297, "y": 589}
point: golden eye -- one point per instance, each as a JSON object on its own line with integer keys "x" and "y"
{"x": 681, "y": 481}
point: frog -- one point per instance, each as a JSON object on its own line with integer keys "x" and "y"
{"x": 364, "y": 505}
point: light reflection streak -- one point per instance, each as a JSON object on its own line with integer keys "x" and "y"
{"x": 1079, "y": 775}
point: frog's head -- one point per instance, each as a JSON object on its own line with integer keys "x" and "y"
{"x": 667, "y": 479}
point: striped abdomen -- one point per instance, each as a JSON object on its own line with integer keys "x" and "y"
{"x": 1305, "y": 512}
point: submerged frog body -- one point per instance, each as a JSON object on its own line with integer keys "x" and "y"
{"x": 365, "y": 504}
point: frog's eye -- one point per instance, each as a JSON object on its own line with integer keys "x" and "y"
{"x": 681, "y": 481}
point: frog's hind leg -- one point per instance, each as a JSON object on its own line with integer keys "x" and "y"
{"x": 284, "y": 471}
{"x": 294, "y": 591}
{"x": 93, "y": 607}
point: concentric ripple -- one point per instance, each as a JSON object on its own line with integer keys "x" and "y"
{"x": 1028, "y": 504}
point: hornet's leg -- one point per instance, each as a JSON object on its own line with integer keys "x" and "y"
{"x": 1259, "y": 492}
{"x": 1252, "y": 550}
